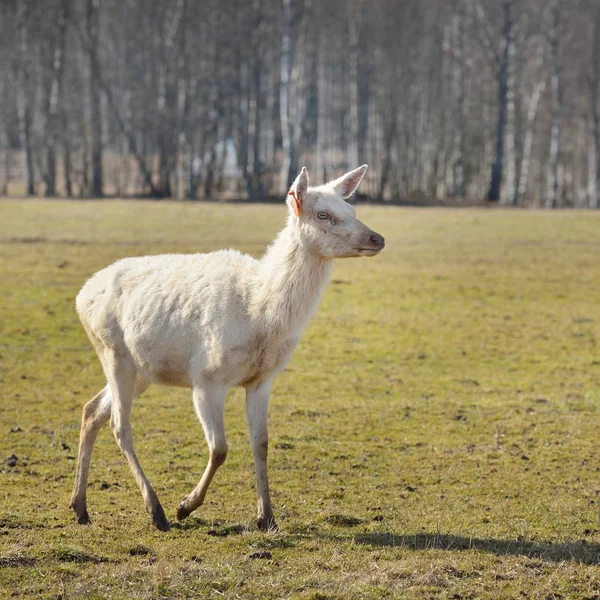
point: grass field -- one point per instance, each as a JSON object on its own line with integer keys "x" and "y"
{"x": 436, "y": 434}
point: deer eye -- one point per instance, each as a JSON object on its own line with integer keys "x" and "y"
{"x": 323, "y": 214}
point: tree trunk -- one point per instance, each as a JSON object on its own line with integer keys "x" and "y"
{"x": 191, "y": 192}
{"x": 52, "y": 133}
{"x": 496, "y": 180}
{"x": 532, "y": 112}
{"x": 67, "y": 169}
{"x": 594, "y": 118}
{"x": 322, "y": 102}
{"x": 301, "y": 80}
{"x": 5, "y": 140}
{"x": 191, "y": 187}
{"x": 389, "y": 136}
{"x": 503, "y": 68}
{"x": 443, "y": 159}
{"x": 555, "y": 136}
{"x": 459, "y": 99}
{"x": 166, "y": 123}
{"x": 288, "y": 170}
{"x": 23, "y": 94}
{"x": 353, "y": 96}
{"x": 92, "y": 30}
{"x": 255, "y": 187}
{"x": 510, "y": 158}
{"x": 592, "y": 185}
{"x": 4, "y": 144}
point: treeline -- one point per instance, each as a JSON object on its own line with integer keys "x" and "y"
{"x": 199, "y": 99}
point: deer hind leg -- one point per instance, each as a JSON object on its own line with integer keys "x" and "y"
{"x": 95, "y": 414}
{"x": 125, "y": 384}
{"x": 209, "y": 402}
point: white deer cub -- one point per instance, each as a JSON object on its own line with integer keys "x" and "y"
{"x": 210, "y": 322}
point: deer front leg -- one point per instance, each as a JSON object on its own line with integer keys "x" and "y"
{"x": 209, "y": 402}
{"x": 257, "y": 403}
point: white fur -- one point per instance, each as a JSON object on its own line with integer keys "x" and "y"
{"x": 210, "y": 322}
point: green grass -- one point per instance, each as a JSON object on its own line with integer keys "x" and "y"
{"x": 435, "y": 435}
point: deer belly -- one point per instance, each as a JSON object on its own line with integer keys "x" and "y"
{"x": 267, "y": 359}
{"x": 162, "y": 361}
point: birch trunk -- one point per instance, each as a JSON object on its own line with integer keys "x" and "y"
{"x": 510, "y": 158}
{"x": 390, "y": 136}
{"x": 300, "y": 86}
{"x": 52, "y": 114}
{"x": 557, "y": 100}
{"x": 592, "y": 187}
{"x": 321, "y": 105}
{"x": 287, "y": 129}
{"x": 92, "y": 25}
{"x": 183, "y": 108}
{"x": 23, "y": 95}
{"x": 459, "y": 99}
{"x": 532, "y": 112}
{"x": 594, "y": 118}
{"x": 425, "y": 145}
{"x": 353, "y": 19}
{"x": 5, "y": 142}
{"x": 255, "y": 188}
{"x": 442, "y": 167}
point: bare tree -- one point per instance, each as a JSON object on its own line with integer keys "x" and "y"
{"x": 24, "y": 93}
{"x": 503, "y": 62}
{"x": 354, "y": 9}
{"x": 53, "y": 94}
{"x": 532, "y": 111}
{"x": 289, "y": 166}
{"x": 594, "y": 114}
{"x": 458, "y": 77}
{"x": 93, "y": 35}
{"x": 554, "y": 39}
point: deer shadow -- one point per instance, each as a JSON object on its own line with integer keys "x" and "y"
{"x": 580, "y": 551}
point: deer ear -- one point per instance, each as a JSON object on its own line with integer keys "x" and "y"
{"x": 346, "y": 185}
{"x": 297, "y": 192}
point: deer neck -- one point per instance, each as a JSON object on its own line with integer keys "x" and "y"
{"x": 289, "y": 284}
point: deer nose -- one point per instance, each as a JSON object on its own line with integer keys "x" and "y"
{"x": 377, "y": 240}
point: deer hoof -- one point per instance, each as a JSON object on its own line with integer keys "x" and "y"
{"x": 81, "y": 513}
{"x": 84, "y": 519}
{"x": 159, "y": 519}
{"x": 267, "y": 523}
{"x": 182, "y": 511}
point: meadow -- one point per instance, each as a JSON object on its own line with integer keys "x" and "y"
{"x": 434, "y": 436}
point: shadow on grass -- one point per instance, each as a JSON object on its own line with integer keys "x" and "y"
{"x": 76, "y": 555}
{"x": 578, "y": 551}
{"x": 215, "y": 528}
{"x": 189, "y": 524}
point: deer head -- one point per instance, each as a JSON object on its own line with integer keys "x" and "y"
{"x": 326, "y": 223}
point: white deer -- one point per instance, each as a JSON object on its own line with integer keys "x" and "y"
{"x": 210, "y": 322}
